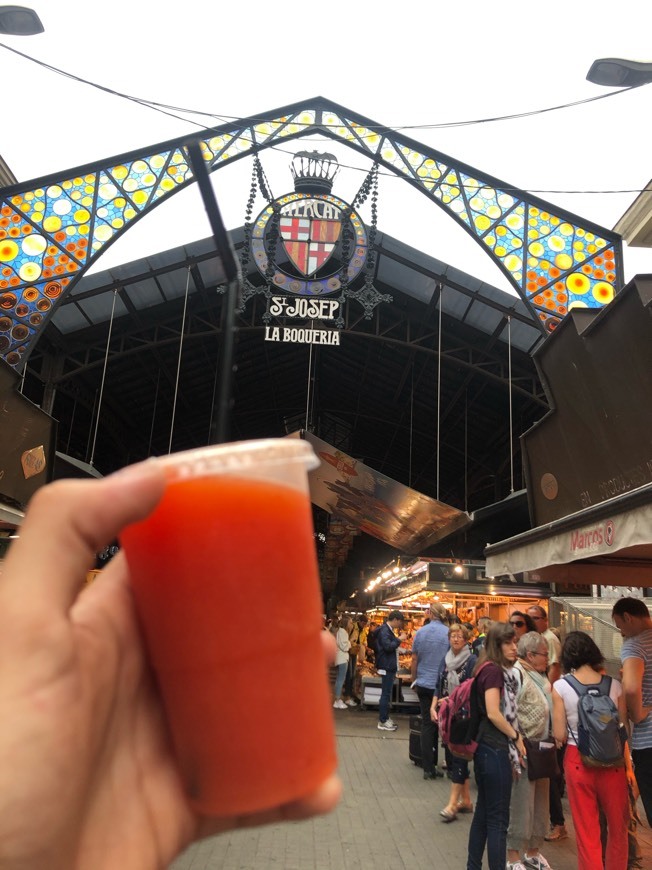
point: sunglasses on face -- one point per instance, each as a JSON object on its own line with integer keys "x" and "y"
{"x": 517, "y": 622}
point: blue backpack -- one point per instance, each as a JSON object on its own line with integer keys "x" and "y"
{"x": 600, "y": 738}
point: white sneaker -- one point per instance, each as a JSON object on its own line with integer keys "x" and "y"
{"x": 351, "y": 703}
{"x": 339, "y": 705}
{"x": 387, "y": 726}
{"x": 536, "y": 862}
{"x": 517, "y": 865}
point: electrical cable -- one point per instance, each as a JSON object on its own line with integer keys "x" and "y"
{"x": 170, "y": 111}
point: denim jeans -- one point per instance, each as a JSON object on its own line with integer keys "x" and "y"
{"x": 349, "y": 682}
{"x": 339, "y": 679}
{"x": 385, "y": 694}
{"x": 493, "y": 775}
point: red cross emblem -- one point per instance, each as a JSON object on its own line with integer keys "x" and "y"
{"x": 309, "y": 242}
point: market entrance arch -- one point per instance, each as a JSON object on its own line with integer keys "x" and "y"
{"x": 53, "y": 228}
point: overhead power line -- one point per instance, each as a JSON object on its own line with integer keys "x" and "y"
{"x": 171, "y": 111}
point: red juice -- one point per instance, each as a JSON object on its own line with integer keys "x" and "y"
{"x": 225, "y": 582}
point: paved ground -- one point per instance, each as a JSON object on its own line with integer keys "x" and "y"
{"x": 388, "y": 818}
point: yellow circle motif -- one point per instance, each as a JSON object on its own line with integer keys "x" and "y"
{"x": 54, "y": 191}
{"x": 30, "y": 272}
{"x": 512, "y": 263}
{"x": 555, "y": 243}
{"x": 8, "y": 251}
{"x": 563, "y": 261}
{"x": 52, "y": 224}
{"x": 482, "y": 222}
{"x": 578, "y": 283}
{"x": 566, "y": 230}
{"x": 603, "y": 292}
{"x": 577, "y": 303}
{"x": 103, "y": 233}
{"x": 514, "y": 221}
{"x": 81, "y": 216}
{"x": 499, "y": 251}
{"x": 536, "y": 249}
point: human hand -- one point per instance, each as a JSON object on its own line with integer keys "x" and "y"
{"x": 520, "y": 748}
{"x": 87, "y": 776}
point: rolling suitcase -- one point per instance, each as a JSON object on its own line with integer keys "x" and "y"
{"x": 415, "y": 741}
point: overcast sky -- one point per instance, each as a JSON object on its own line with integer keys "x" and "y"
{"x": 405, "y": 66}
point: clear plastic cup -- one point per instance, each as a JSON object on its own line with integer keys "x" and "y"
{"x": 225, "y": 581}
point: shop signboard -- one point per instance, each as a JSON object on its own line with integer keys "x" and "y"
{"x": 376, "y": 504}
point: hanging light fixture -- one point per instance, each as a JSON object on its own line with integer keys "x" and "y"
{"x": 19, "y": 21}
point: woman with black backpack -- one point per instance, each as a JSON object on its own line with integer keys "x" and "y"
{"x": 595, "y": 776}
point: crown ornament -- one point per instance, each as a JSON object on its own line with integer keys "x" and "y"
{"x": 314, "y": 172}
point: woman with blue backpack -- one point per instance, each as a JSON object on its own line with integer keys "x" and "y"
{"x": 589, "y": 715}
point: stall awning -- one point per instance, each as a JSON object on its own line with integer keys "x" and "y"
{"x": 605, "y": 544}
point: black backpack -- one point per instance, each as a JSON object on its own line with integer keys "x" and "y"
{"x": 600, "y": 738}
{"x": 371, "y": 638}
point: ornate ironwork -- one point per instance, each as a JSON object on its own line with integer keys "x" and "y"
{"x": 52, "y": 229}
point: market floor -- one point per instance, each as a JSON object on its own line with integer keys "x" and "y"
{"x": 388, "y": 818}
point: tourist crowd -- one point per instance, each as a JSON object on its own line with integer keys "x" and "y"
{"x": 534, "y": 713}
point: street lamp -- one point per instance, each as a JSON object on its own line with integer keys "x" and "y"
{"x": 19, "y": 21}
{"x": 619, "y": 73}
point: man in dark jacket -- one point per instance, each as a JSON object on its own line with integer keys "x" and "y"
{"x": 387, "y": 644}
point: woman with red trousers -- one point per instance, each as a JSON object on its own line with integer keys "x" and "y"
{"x": 590, "y": 789}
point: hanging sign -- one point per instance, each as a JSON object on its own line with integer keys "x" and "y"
{"x": 320, "y": 235}
{"x": 315, "y": 309}
{"x": 309, "y": 245}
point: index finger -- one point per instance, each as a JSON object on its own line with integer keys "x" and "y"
{"x": 66, "y": 524}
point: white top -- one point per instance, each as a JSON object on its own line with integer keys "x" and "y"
{"x": 343, "y": 646}
{"x": 570, "y": 698}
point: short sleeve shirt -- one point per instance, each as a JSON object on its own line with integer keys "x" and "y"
{"x": 554, "y": 646}
{"x": 640, "y": 647}
{"x": 490, "y": 677}
{"x": 570, "y": 698}
{"x": 431, "y": 645}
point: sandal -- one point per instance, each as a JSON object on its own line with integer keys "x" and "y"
{"x": 465, "y": 808}
{"x": 447, "y": 815}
